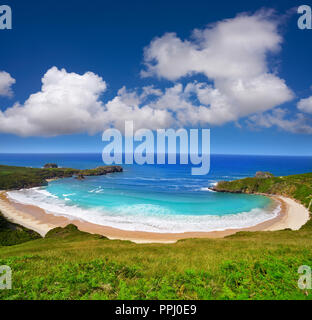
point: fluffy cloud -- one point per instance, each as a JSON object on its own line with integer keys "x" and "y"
{"x": 233, "y": 48}
{"x": 233, "y": 99}
{"x": 70, "y": 103}
{"x": 296, "y": 124}
{"x": 67, "y": 103}
{"x": 131, "y": 106}
{"x": 6, "y": 81}
{"x": 232, "y": 54}
{"x": 284, "y": 120}
{"x": 305, "y": 105}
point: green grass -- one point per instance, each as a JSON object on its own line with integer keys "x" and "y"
{"x": 11, "y": 233}
{"x": 70, "y": 264}
{"x": 75, "y": 265}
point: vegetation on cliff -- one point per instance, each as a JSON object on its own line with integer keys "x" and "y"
{"x": 24, "y": 177}
{"x": 297, "y": 186}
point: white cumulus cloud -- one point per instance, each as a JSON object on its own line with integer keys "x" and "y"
{"x": 6, "y": 81}
{"x": 305, "y": 105}
{"x": 281, "y": 119}
{"x": 67, "y": 103}
{"x": 233, "y": 55}
{"x": 70, "y": 103}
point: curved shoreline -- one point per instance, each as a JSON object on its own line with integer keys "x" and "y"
{"x": 292, "y": 215}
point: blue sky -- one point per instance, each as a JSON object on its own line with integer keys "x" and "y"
{"x": 108, "y": 40}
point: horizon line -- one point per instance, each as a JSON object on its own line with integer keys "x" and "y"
{"x": 99, "y": 153}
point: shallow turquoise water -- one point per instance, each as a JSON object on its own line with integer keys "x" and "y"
{"x": 121, "y": 194}
{"x": 151, "y": 198}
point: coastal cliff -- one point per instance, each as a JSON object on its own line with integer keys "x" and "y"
{"x": 23, "y": 177}
{"x": 298, "y": 187}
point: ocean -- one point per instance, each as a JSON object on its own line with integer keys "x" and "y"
{"x": 156, "y": 198}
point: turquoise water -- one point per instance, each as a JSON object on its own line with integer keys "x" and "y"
{"x": 152, "y": 198}
{"x": 120, "y": 193}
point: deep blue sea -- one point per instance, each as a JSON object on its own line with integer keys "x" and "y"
{"x": 156, "y": 198}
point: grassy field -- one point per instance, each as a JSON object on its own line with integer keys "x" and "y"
{"x": 69, "y": 264}
{"x": 75, "y": 265}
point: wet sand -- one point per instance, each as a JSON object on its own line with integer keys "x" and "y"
{"x": 292, "y": 215}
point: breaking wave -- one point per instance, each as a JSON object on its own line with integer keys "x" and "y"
{"x": 141, "y": 217}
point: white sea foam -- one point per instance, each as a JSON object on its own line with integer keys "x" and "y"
{"x": 142, "y": 217}
{"x": 206, "y": 189}
{"x": 96, "y": 190}
{"x": 68, "y": 194}
{"x": 159, "y": 179}
{"x": 43, "y": 191}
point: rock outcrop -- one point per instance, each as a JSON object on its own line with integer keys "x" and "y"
{"x": 264, "y": 175}
{"x": 50, "y": 166}
{"x": 80, "y": 177}
{"x": 102, "y": 170}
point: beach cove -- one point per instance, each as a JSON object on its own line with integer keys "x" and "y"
{"x": 292, "y": 216}
{"x": 152, "y": 203}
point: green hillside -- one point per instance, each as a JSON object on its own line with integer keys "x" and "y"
{"x": 76, "y": 265}
{"x": 11, "y": 233}
{"x": 70, "y": 264}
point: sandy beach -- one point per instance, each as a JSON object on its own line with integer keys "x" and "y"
{"x": 296, "y": 216}
{"x": 292, "y": 215}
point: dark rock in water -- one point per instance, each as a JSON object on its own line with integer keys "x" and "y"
{"x": 50, "y": 166}
{"x": 80, "y": 177}
{"x": 108, "y": 169}
{"x": 102, "y": 170}
{"x": 264, "y": 175}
